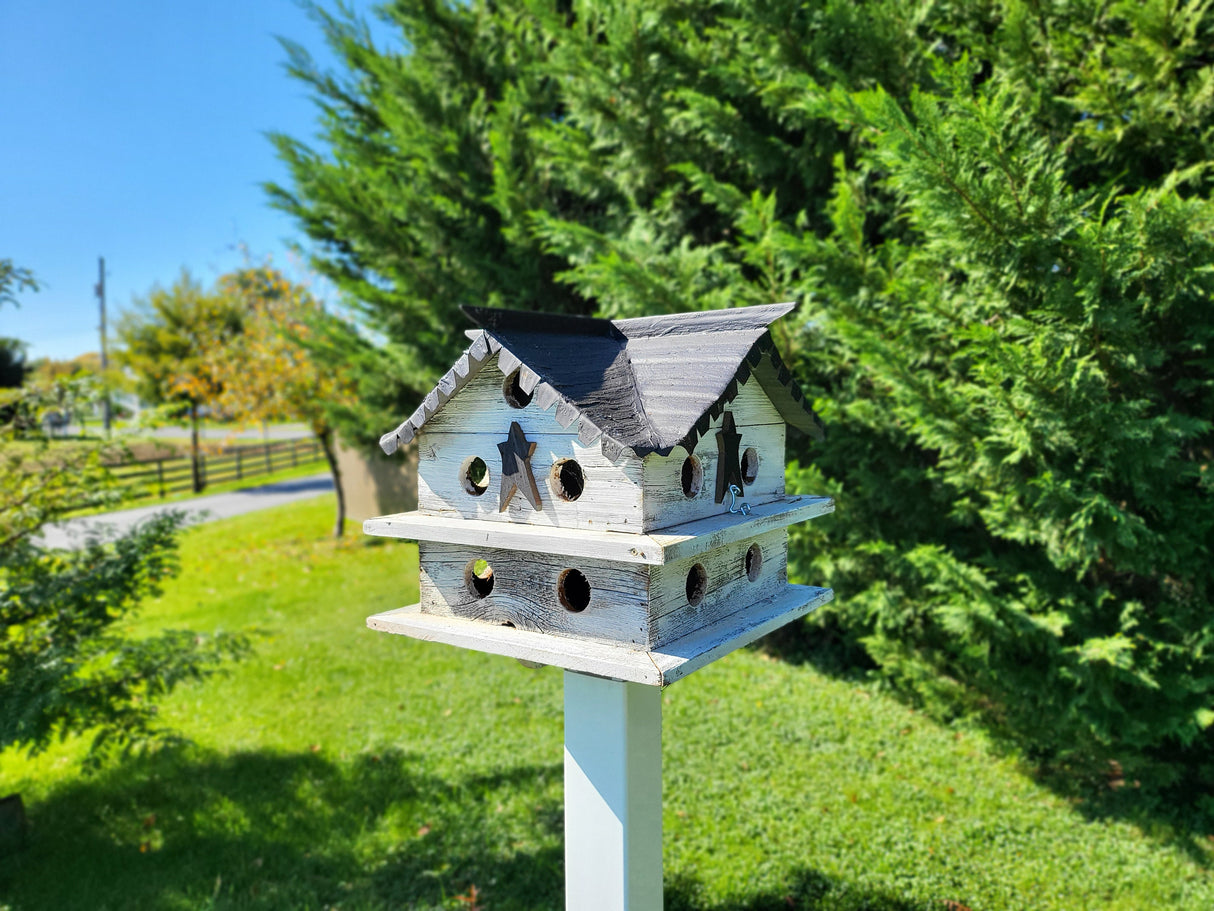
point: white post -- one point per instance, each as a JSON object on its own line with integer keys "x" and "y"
{"x": 613, "y": 795}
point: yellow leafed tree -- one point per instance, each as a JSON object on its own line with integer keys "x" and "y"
{"x": 266, "y": 373}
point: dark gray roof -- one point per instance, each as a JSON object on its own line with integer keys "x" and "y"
{"x": 644, "y": 385}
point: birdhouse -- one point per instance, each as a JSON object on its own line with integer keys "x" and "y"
{"x": 606, "y": 496}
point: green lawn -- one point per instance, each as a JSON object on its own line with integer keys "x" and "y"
{"x": 340, "y": 768}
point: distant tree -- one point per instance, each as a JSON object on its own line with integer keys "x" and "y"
{"x": 12, "y": 351}
{"x": 164, "y": 341}
{"x": 47, "y": 369}
{"x": 266, "y": 372}
{"x": 13, "y": 365}
{"x": 66, "y": 666}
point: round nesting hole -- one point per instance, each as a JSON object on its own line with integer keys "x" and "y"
{"x": 573, "y": 590}
{"x": 692, "y": 477}
{"x": 568, "y": 481}
{"x": 697, "y": 584}
{"x": 478, "y": 578}
{"x": 754, "y": 562}
{"x": 514, "y": 394}
{"x": 474, "y": 476}
{"x": 750, "y": 465}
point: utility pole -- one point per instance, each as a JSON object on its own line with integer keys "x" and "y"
{"x": 105, "y": 361}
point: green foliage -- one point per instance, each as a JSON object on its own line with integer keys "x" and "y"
{"x": 14, "y": 280}
{"x": 998, "y": 219}
{"x": 13, "y": 365}
{"x": 44, "y": 405}
{"x": 164, "y": 339}
{"x": 67, "y": 661}
{"x": 1040, "y": 350}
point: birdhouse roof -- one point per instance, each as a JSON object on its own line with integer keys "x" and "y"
{"x": 641, "y": 385}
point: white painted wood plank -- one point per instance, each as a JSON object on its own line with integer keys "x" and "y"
{"x": 600, "y": 659}
{"x": 689, "y": 654}
{"x": 728, "y": 585}
{"x": 481, "y": 406}
{"x": 525, "y": 593}
{"x": 613, "y": 795}
{"x": 665, "y": 503}
{"x": 607, "y": 545}
{"x": 611, "y": 498}
{"x": 715, "y": 531}
{"x": 666, "y": 546}
{"x": 671, "y": 662}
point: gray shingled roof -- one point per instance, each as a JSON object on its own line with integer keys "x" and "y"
{"x": 643, "y": 385}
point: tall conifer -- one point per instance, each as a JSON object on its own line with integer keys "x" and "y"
{"x": 998, "y": 219}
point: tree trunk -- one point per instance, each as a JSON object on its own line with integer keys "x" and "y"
{"x": 327, "y": 443}
{"x": 197, "y": 473}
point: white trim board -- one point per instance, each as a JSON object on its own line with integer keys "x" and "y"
{"x": 665, "y": 546}
{"x": 660, "y": 667}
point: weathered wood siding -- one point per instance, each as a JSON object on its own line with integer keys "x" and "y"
{"x": 729, "y": 589}
{"x": 525, "y": 593}
{"x": 476, "y": 420}
{"x": 610, "y": 501}
{"x": 481, "y": 407}
{"x": 625, "y": 495}
{"x": 761, "y": 428}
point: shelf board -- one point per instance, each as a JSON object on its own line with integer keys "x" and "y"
{"x": 659, "y": 667}
{"x": 662, "y": 546}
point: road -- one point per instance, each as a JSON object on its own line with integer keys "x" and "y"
{"x": 74, "y": 533}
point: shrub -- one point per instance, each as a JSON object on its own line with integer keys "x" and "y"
{"x": 998, "y": 217}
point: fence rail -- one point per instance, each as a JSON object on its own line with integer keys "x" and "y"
{"x": 174, "y": 474}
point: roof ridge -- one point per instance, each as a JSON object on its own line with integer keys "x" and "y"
{"x": 691, "y": 321}
{"x": 628, "y": 351}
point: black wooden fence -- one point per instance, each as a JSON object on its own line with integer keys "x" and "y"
{"x": 174, "y": 474}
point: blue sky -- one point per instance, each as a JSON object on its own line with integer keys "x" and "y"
{"x": 135, "y": 131}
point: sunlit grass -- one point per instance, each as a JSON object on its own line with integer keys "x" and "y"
{"x": 337, "y": 767}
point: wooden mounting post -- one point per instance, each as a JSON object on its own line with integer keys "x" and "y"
{"x": 613, "y": 795}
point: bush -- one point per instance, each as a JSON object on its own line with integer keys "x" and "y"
{"x": 998, "y": 217}
{"x": 66, "y": 664}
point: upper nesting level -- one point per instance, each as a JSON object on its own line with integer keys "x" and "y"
{"x": 613, "y": 425}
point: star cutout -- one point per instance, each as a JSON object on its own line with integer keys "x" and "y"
{"x": 729, "y": 466}
{"x": 516, "y": 468}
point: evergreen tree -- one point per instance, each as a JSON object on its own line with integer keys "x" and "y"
{"x": 13, "y": 365}
{"x": 998, "y": 218}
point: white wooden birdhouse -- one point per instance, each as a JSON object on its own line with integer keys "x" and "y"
{"x": 606, "y": 496}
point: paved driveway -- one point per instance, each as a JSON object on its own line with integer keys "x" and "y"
{"x": 73, "y": 533}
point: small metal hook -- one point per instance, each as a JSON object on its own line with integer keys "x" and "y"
{"x": 734, "y": 507}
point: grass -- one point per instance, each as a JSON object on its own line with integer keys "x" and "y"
{"x": 340, "y": 768}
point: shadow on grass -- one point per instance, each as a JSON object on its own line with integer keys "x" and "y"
{"x": 263, "y": 830}
{"x": 807, "y": 890}
{"x": 1156, "y": 797}
{"x": 298, "y": 831}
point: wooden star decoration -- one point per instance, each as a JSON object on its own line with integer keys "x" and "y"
{"x": 516, "y": 468}
{"x": 729, "y": 465}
